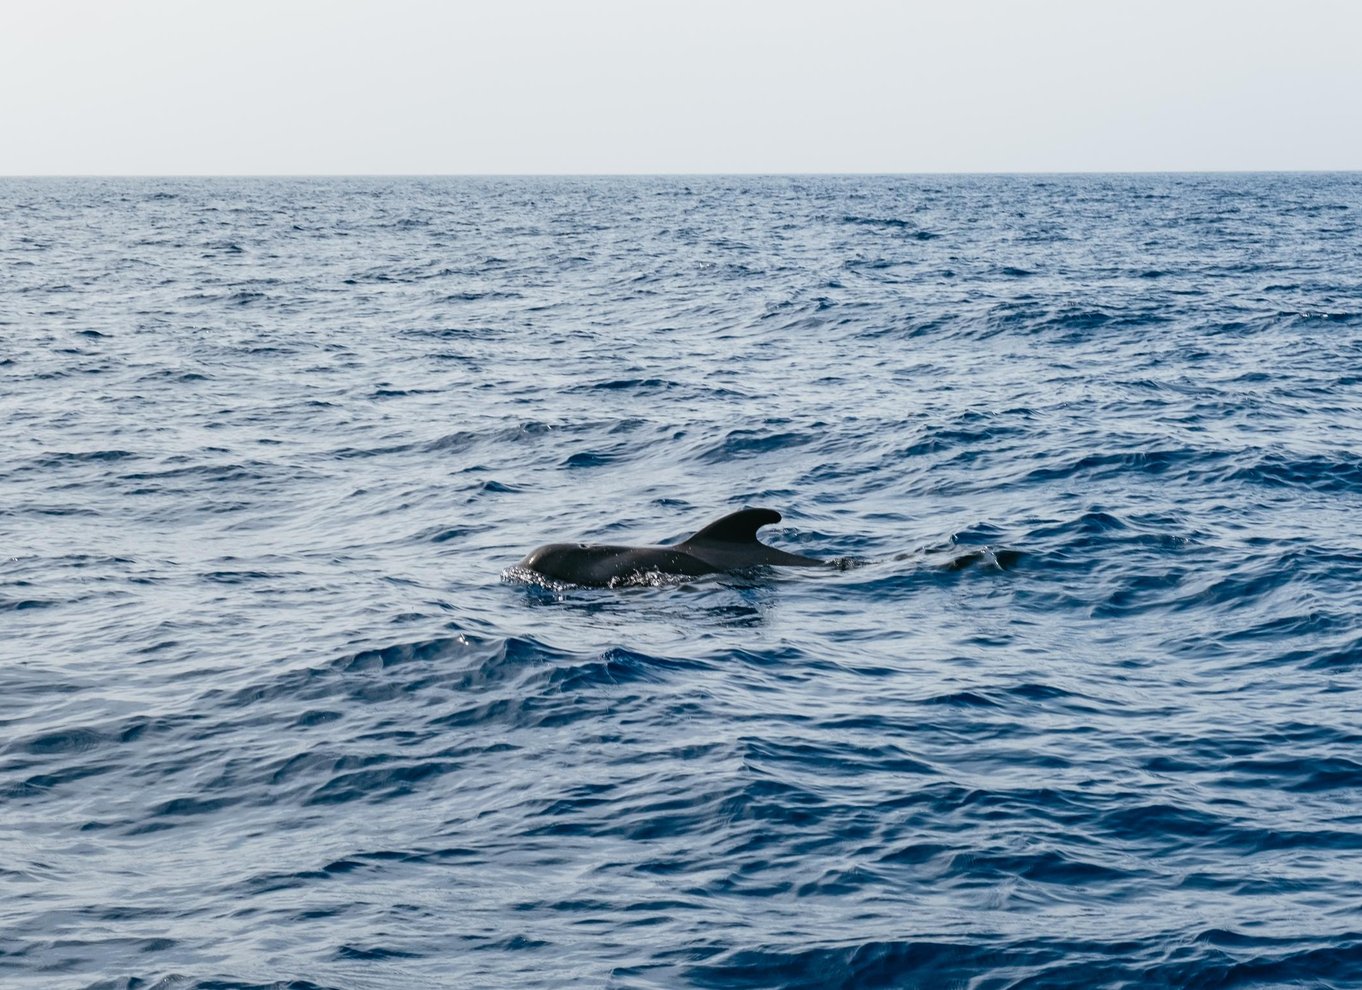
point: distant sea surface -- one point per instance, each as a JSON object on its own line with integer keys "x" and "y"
{"x": 1081, "y": 708}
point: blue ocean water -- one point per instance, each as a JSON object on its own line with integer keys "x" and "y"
{"x": 1084, "y": 711}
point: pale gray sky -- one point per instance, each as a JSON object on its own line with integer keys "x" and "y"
{"x": 423, "y": 86}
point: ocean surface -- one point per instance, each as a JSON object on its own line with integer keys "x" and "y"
{"x": 1081, "y": 706}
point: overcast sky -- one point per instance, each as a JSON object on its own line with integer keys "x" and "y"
{"x": 433, "y": 86}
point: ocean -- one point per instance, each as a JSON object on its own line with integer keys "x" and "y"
{"x": 1080, "y": 706}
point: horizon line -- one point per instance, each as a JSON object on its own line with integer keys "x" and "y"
{"x": 678, "y": 175}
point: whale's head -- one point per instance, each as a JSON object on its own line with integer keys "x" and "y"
{"x": 574, "y": 563}
{"x": 599, "y": 564}
{"x": 559, "y": 560}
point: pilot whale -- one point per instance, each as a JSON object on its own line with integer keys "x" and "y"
{"x": 728, "y": 544}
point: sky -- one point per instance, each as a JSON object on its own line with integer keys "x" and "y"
{"x": 191, "y": 87}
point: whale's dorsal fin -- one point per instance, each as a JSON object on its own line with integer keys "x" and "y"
{"x": 731, "y": 543}
{"x": 736, "y": 527}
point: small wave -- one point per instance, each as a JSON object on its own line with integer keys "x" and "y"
{"x": 591, "y": 459}
{"x": 60, "y": 459}
{"x": 1317, "y": 474}
{"x": 631, "y": 384}
{"x": 892, "y": 223}
{"x": 471, "y": 296}
{"x": 743, "y": 443}
{"x": 24, "y": 604}
{"x": 1106, "y": 465}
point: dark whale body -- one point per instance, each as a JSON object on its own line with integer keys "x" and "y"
{"x": 730, "y": 544}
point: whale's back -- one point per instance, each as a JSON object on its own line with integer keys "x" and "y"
{"x": 602, "y": 564}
